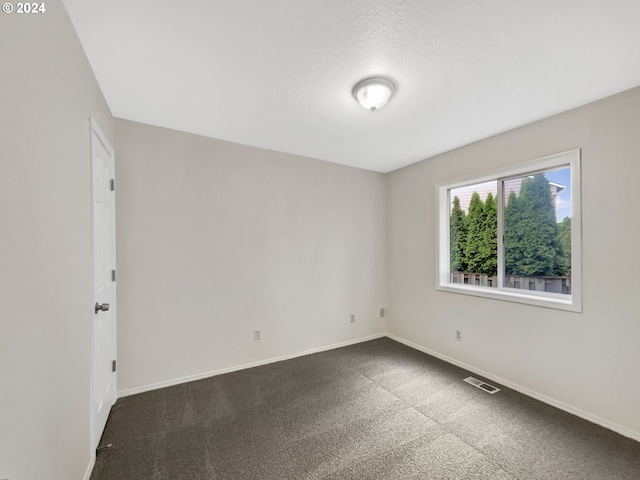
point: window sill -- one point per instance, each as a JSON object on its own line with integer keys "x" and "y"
{"x": 559, "y": 302}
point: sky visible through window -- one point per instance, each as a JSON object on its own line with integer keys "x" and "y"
{"x": 563, "y": 202}
{"x": 519, "y": 240}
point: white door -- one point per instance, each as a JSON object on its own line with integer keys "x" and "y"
{"x": 103, "y": 308}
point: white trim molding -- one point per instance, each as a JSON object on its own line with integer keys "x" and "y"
{"x": 514, "y": 386}
{"x": 571, "y": 302}
{"x": 525, "y": 391}
{"x": 92, "y": 463}
{"x": 213, "y": 373}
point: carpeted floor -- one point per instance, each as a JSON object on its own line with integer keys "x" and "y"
{"x": 377, "y": 410}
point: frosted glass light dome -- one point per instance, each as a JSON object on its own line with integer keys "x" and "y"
{"x": 374, "y": 92}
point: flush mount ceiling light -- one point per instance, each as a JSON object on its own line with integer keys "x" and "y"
{"x": 374, "y": 92}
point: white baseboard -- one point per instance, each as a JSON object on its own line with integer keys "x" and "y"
{"x": 526, "y": 391}
{"x": 200, "y": 376}
{"x": 87, "y": 473}
{"x": 530, "y": 393}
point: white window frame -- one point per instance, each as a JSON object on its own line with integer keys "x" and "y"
{"x": 571, "y": 302}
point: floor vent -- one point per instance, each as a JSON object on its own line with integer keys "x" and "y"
{"x": 481, "y": 385}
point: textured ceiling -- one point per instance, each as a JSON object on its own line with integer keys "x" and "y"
{"x": 278, "y": 74}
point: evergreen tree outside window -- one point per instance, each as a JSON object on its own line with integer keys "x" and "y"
{"x": 514, "y": 234}
{"x": 532, "y": 244}
{"x": 489, "y": 250}
{"x": 458, "y": 236}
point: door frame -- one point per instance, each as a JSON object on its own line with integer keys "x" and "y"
{"x": 94, "y": 438}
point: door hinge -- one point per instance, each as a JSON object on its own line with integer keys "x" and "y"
{"x": 113, "y": 185}
{"x": 113, "y": 365}
{"x": 113, "y": 275}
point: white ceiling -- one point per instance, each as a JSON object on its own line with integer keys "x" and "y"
{"x": 278, "y": 74}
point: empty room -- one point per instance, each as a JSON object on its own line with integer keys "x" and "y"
{"x": 319, "y": 239}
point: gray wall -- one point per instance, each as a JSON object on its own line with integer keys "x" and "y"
{"x": 47, "y": 92}
{"x": 583, "y": 362}
{"x": 216, "y": 239}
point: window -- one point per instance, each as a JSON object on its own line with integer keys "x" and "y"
{"x": 514, "y": 234}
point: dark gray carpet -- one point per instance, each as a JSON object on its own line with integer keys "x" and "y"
{"x": 376, "y": 410}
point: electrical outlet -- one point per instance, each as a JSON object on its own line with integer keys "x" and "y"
{"x": 382, "y": 313}
{"x": 458, "y": 335}
{"x": 353, "y": 318}
{"x": 256, "y": 335}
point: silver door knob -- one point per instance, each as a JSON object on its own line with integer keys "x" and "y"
{"x": 104, "y": 307}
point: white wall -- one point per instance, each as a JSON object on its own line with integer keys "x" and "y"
{"x": 216, "y": 239}
{"x": 586, "y": 361}
{"x": 47, "y": 92}
{"x": 210, "y": 237}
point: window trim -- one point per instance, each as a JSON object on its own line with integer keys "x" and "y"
{"x": 572, "y": 302}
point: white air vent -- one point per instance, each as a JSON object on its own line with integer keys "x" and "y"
{"x": 481, "y": 385}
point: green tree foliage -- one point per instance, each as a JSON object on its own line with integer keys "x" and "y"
{"x": 489, "y": 246}
{"x": 457, "y": 237}
{"x": 473, "y": 237}
{"x": 534, "y": 244}
{"x": 513, "y": 233}
{"x": 564, "y": 234}
{"x": 531, "y": 242}
{"x": 476, "y": 222}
